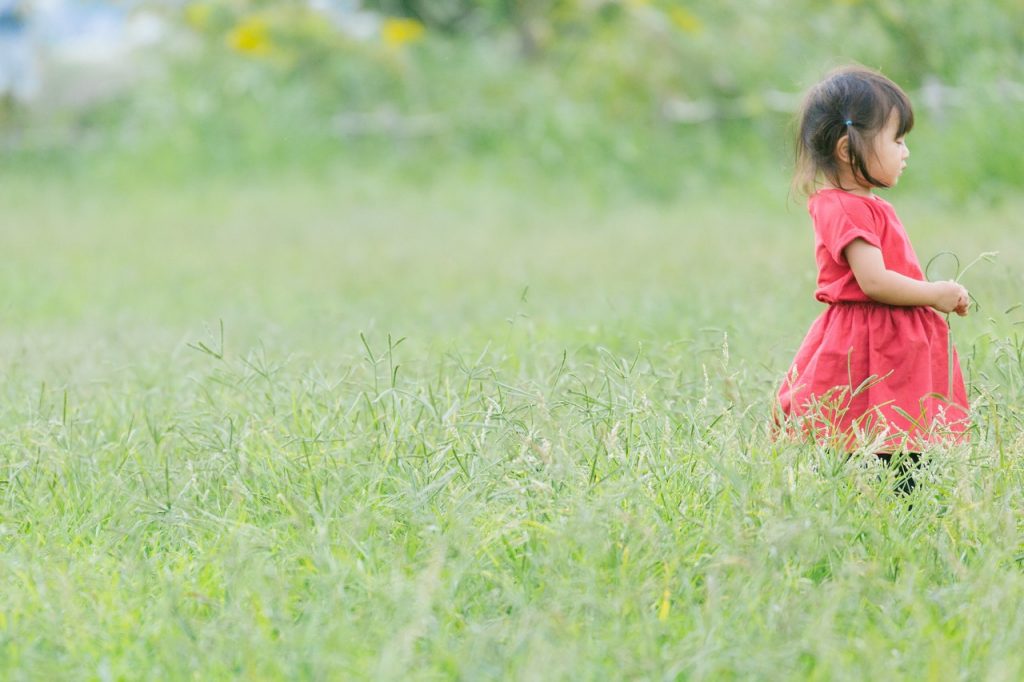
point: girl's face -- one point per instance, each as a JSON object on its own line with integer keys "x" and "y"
{"x": 890, "y": 153}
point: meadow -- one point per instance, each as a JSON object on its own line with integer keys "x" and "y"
{"x": 338, "y": 426}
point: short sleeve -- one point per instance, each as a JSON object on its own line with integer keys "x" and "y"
{"x": 841, "y": 220}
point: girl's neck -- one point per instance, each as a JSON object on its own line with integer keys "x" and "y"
{"x": 856, "y": 192}
{"x": 849, "y": 186}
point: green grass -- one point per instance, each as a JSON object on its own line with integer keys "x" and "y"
{"x": 337, "y": 428}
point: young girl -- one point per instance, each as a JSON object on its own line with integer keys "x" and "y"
{"x": 874, "y": 369}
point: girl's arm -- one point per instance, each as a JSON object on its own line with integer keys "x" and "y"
{"x": 892, "y": 288}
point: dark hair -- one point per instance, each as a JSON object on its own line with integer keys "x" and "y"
{"x": 854, "y": 101}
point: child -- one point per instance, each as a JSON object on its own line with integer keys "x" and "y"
{"x": 874, "y": 369}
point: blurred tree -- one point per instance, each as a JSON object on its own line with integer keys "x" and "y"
{"x": 449, "y": 16}
{"x": 939, "y": 38}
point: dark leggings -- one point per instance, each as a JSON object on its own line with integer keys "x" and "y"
{"x": 904, "y": 466}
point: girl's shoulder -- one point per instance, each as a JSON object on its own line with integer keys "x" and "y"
{"x": 829, "y": 202}
{"x": 832, "y": 195}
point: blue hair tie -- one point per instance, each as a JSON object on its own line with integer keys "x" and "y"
{"x": 849, "y": 122}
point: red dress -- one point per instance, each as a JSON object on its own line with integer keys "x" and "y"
{"x": 868, "y": 373}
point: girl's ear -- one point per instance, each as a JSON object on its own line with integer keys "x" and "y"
{"x": 843, "y": 149}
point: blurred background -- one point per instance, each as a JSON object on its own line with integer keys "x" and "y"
{"x": 651, "y": 98}
{"x": 433, "y": 313}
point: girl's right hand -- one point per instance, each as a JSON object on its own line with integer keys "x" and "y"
{"x": 951, "y": 297}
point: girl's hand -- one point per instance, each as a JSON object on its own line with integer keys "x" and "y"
{"x": 951, "y": 297}
{"x": 963, "y": 303}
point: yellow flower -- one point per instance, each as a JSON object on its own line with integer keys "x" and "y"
{"x": 251, "y": 37}
{"x": 398, "y": 32}
{"x": 685, "y": 20}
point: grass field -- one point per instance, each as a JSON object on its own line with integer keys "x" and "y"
{"x": 331, "y": 428}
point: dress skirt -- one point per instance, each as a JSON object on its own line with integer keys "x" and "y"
{"x": 877, "y": 376}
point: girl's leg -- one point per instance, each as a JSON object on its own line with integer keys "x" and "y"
{"x": 904, "y": 463}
